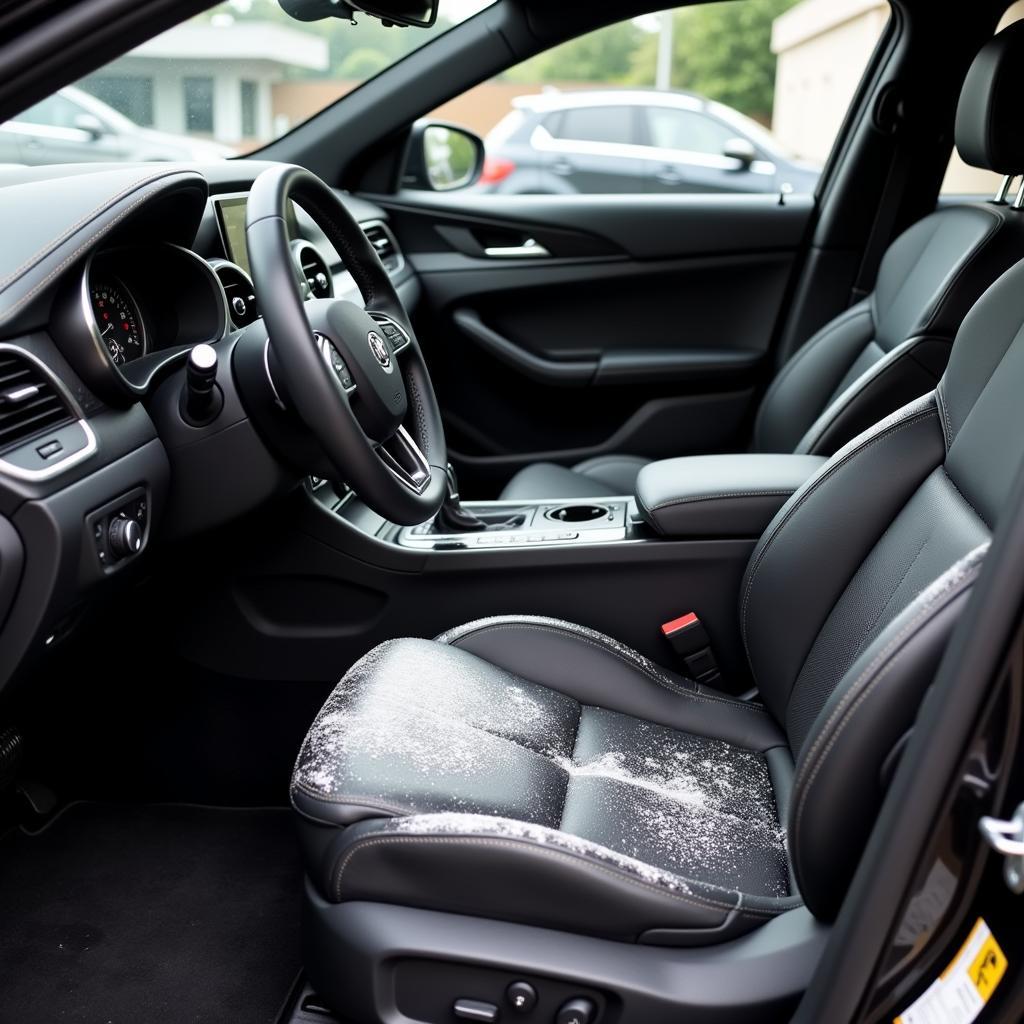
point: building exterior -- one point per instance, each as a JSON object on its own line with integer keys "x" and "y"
{"x": 822, "y": 48}
{"x": 181, "y": 81}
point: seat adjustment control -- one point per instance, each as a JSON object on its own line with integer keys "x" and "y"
{"x": 576, "y": 1011}
{"x": 521, "y": 996}
{"x": 473, "y": 1009}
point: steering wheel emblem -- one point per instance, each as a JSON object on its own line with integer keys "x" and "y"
{"x": 379, "y": 349}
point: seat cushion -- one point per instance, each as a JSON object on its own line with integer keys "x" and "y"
{"x": 608, "y": 476}
{"x": 438, "y": 779}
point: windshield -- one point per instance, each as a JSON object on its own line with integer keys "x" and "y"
{"x": 222, "y": 84}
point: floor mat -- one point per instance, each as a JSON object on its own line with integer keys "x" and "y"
{"x": 121, "y": 914}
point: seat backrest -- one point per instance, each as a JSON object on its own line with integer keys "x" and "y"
{"x": 893, "y": 346}
{"x": 851, "y": 593}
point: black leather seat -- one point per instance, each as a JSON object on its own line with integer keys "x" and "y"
{"x": 893, "y": 345}
{"x": 534, "y": 771}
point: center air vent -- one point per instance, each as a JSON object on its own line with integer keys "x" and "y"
{"x": 384, "y": 242}
{"x": 30, "y": 403}
{"x": 239, "y": 291}
{"x": 314, "y": 269}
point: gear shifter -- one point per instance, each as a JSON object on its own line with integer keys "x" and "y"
{"x": 451, "y": 516}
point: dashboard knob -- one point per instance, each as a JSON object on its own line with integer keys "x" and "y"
{"x": 124, "y": 537}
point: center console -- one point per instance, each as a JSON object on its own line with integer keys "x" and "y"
{"x": 517, "y": 524}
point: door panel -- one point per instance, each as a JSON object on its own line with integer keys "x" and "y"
{"x": 639, "y": 324}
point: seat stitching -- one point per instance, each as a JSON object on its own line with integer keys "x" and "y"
{"x": 88, "y": 244}
{"x": 719, "y": 497}
{"x": 666, "y": 683}
{"x": 700, "y": 901}
{"x": 963, "y": 497}
{"x": 358, "y": 801}
{"x": 811, "y": 345}
{"x": 853, "y": 393}
{"x": 855, "y": 697}
{"x": 53, "y": 244}
{"x": 998, "y": 221}
{"x": 947, "y": 426}
{"x": 812, "y": 488}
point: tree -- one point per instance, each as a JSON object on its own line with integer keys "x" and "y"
{"x": 721, "y": 50}
{"x": 602, "y": 56}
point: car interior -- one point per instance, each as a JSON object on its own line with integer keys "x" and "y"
{"x": 650, "y": 537}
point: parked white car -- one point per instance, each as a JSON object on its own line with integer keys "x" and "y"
{"x": 71, "y": 126}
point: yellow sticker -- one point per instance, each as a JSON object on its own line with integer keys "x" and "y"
{"x": 987, "y": 968}
{"x": 960, "y": 993}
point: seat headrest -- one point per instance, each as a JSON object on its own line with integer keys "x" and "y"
{"x": 990, "y": 117}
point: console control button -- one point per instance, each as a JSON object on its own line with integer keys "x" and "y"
{"x": 521, "y": 996}
{"x": 473, "y": 1009}
{"x": 576, "y": 1011}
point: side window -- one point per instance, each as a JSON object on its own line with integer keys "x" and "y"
{"x": 594, "y": 124}
{"x": 686, "y": 130}
{"x": 727, "y": 96}
{"x": 55, "y": 111}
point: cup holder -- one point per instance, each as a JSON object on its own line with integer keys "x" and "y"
{"x": 576, "y": 513}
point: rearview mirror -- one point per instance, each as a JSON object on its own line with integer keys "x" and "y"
{"x": 442, "y": 157}
{"x": 412, "y": 13}
{"x": 741, "y": 150}
{"x": 90, "y": 124}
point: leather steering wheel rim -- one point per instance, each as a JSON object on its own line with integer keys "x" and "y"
{"x": 397, "y": 469}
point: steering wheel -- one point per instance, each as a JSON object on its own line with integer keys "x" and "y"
{"x": 354, "y": 376}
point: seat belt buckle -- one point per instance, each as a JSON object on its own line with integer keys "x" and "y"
{"x": 689, "y": 639}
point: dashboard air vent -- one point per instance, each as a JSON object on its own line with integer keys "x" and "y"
{"x": 30, "y": 403}
{"x": 384, "y": 242}
{"x": 240, "y": 294}
{"x": 315, "y": 270}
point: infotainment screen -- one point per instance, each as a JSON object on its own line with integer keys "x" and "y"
{"x": 231, "y": 215}
{"x": 231, "y": 218}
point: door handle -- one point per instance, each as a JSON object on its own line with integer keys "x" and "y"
{"x": 531, "y": 249}
{"x": 562, "y": 167}
{"x": 669, "y": 176}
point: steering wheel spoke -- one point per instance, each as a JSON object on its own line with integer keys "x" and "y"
{"x": 396, "y": 335}
{"x": 402, "y": 458}
{"x": 335, "y": 363}
{"x": 364, "y": 375}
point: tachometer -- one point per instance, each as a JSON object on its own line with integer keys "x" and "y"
{"x": 118, "y": 321}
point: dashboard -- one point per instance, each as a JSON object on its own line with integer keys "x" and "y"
{"x": 109, "y": 277}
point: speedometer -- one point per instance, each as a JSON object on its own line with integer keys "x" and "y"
{"x": 118, "y": 321}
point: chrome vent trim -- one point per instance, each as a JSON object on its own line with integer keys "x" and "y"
{"x": 381, "y": 238}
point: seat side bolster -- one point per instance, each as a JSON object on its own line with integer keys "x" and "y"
{"x": 835, "y": 518}
{"x": 594, "y": 669}
{"x": 803, "y": 386}
{"x": 862, "y": 722}
{"x": 897, "y": 378}
{"x": 451, "y": 862}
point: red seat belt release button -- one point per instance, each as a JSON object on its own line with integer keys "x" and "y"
{"x": 689, "y": 639}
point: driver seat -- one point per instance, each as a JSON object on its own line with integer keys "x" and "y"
{"x": 530, "y": 773}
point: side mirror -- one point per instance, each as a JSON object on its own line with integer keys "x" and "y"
{"x": 90, "y": 124}
{"x": 442, "y": 157}
{"x": 742, "y": 151}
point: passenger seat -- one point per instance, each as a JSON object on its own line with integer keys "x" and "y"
{"x": 893, "y": 345}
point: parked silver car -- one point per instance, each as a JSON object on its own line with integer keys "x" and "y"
{"x": 71, "y": 126}
{"x": 635, "y": 140}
